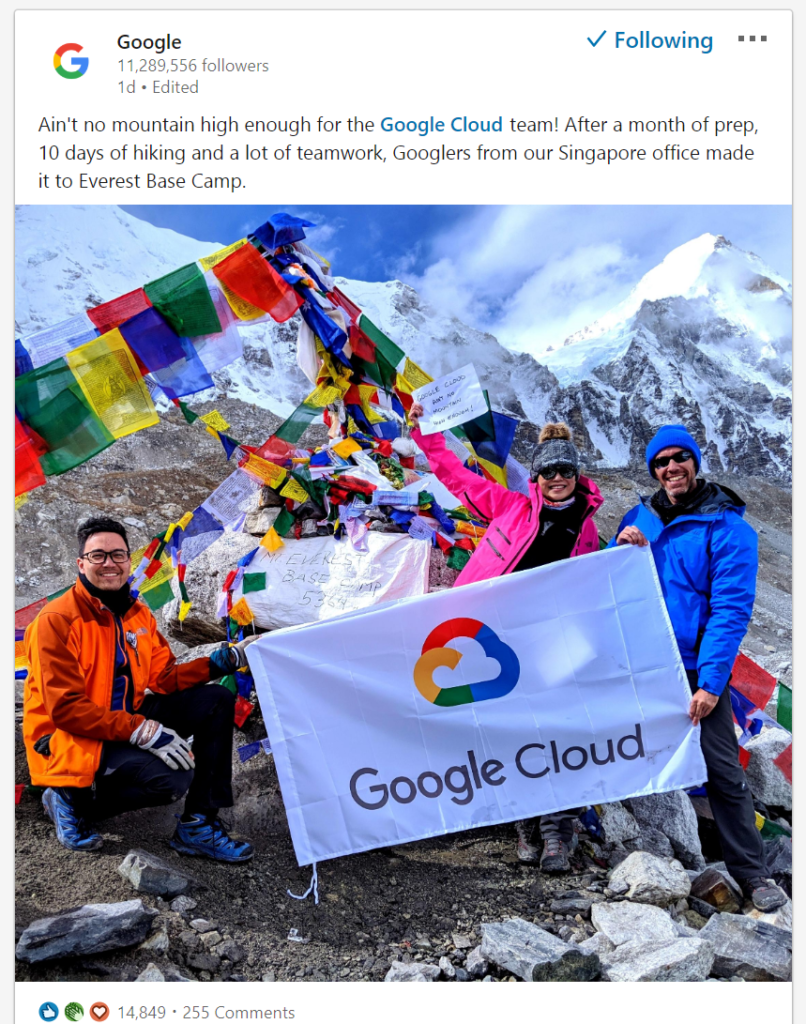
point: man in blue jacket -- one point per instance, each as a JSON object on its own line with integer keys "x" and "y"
{"x": 707, "y": 561}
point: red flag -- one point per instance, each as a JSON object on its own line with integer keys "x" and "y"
{"x": 247, "y": 274}
{"x": 28, "y": 472}
{"x": 243, "y": 709}
{"x": 111, "y": 314}
{"x": 752, "y": 681}
{"x": 784, "y": 762}
{"x": 744, "y": 757}
{"x": 338, "y": 298}
{"x": 361, "y": 345}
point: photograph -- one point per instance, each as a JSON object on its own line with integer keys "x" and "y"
{"x": 403, "y": 593}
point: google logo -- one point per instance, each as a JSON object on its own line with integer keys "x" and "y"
{"x": 435, "y": 654}
{"x": 79, "y": 64}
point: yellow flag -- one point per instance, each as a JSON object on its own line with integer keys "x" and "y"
{"x": 20, "y": 500}
{"x": 263, "y": 470}
{"x": 241, "y": 613}
{"x": 169, "y": 532}
{"x": 112, "y": 384}
{"x": 365, "y": 391}
{"x": 240, "y": 307}
{"x": 215, "y": 420}
{"x": 496, "y": 472}
{"x": 294, "y": 490}
{"x": 414, "y": 375}
{"x": 208, "y": 262}
{"x": 184, "y": 608}
{"x": 183, "y": 522}
{"x": 165, "y": 572}
{"x": 137, "y": 556}
{"x": 272, "y": 541}
{"x": 346, "y": 447}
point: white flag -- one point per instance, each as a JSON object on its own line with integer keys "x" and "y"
{"x": 504, "y": 699}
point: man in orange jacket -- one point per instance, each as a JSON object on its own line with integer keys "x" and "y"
{"x": 108, "y": 712}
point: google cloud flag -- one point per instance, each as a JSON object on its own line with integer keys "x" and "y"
{"x": 548, "y": 689}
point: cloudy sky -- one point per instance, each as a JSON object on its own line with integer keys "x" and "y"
{"x": 531, "y": 275}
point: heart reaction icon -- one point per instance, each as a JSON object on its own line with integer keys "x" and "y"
{"x": 99, "y": 1011}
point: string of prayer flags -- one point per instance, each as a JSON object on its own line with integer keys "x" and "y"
{"x": 252, "y": 278}
{"x": 113, "y": 385}
{"x": 298, "y": 422}
{"x": 208, "y": 262}
{"x": 241, "y": 613}
{"x": 183, "y": 298}
{"x": 202, "y": 531}
{"x": 215, "y": 420}
{"x": 222, "y": 348}
{"x": 50, "y": 402}
{"x": 751, "y": 680}
{"x": 112, "y": 314}
{"x": 266, "y": 472}
{"x": 184, "y": 376}
{"x": 253, "y": 581}
{"x": 294, "y": 490}
{"x": 230, "y": 500}
{"x": 230, "y": 445}
{"x": 329, "y": 328}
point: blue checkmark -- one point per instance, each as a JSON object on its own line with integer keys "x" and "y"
{"x": 593, "y": 42}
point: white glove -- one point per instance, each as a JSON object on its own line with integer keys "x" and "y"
{"x": 164, "y": 743}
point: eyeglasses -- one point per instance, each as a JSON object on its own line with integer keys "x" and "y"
{"x": 566, "y": 472}
{"x": 99, "y": 557}
{"x": 663, "y": 461}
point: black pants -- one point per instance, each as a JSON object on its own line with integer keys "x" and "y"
{"x": 728, "y": 793}
{"x": 129, "y": 778}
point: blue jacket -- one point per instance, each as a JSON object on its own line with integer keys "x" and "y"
{"x": 707, "y": 561}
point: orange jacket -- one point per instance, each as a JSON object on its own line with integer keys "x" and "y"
{"x": 70, "y": 647}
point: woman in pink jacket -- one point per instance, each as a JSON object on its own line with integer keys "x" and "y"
{"x": 554, "y": 521}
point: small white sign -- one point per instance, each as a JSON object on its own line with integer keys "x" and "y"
{"x": 453, "y": 399}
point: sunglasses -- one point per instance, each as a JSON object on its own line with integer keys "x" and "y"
{"x": 566, "y": 472}
{"x": 664, "y": 460}
{"x": 99, "y": 557}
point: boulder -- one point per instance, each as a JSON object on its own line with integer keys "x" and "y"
{"x": 651, "y": 879}
{"x": 781, "y": 918}
{"x": 767, "y": 782}
{"x": 778, "y": 852}
{"x": 269, "y": 498}
{"x": 623, "y": 922}
{"x": 571, "y": 905}
{"x": 598, "y": 944}
{"x": 412, "y": 972}
{"x": 260, "y": 521}
{"x": 151, "y": 973}
{"x": 149, "y": 873}
{"x": 534, "y": 954}
{"x": 688, "y": 959}
{"x": 447, "y": 969}
{"x": 673, "y": 815}
{"x": 712, "y": 887}
{"x": 652, "y": 841}
{"x": 476, "y": 963}
{"x": 93, "y": 928}
{"x": 617, "y": 824}
{"x": 753, "y": 950}
{"x": 182, "y": 904}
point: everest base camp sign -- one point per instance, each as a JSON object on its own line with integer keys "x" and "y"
{"x": 504, "y": 699}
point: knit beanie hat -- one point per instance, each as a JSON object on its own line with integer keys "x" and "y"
{"x": 554, "y": 448}
{"x": 671, "y": 436}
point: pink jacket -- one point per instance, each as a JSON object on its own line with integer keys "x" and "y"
{"x": 512, "y": 517}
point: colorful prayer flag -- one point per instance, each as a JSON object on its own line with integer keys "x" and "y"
{"x": 252, "y": 278}
{"x": 183, "y": 299}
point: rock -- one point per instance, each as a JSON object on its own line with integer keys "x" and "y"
{"x": 269, "y": 976}
{"x": 778, "y": 852}
{"x": 571, "y": 905}
{"x": 412, "y": 972}
{"x": 149, "y": 873}
{"x": 269, "y": 498}
{"x": 476, "y": 963}
{"x": 652, "y": 841}
{"x": 183, "y": 904}
{"x": 753, "y": 950}
{"x": 781, "y": 918}
{"x": 261, "y": 521}
{"x": 205, "y": 962}
{"x": 694, "y": 920}
{"x": 93, "y": 928}
{"x": 623, "y": 922}
{"x": 172, "y": 974}
{"x": 461, "y": 974}
{"x": 766, "y": 780}
{"x": 202, "y": 925}
{"x": 617, "y": 824}
{"x": 598, "y": 944}
{"x": 231, "y": 951}
{"x": 151, "y": 973}
{"x": 190, "y": 940}
{"x": 688, "y": 959}
{"x": 531, "y": 953}
{"x": 210, "y": 939}
{"x": 651, "y": 880}
{"x": 447, "y": 968}
{"x": 673, "y": 815}
{"x": 462, "y": 941}
{"x": 712, "y": 887}
{"x": 157, "y": 942}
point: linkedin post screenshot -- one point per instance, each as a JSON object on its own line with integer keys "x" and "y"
{"x": 403, "y": 548}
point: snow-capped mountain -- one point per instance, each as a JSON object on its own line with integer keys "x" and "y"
{"x": 704, "y": 338}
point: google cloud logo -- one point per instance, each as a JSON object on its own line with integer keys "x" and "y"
{"x": 78, "y": 64}
{"x": 436, "y": 654}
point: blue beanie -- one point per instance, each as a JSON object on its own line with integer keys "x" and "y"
{"x": 671, "y": 436}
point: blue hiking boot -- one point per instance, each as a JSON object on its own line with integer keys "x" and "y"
{"x": 71, "y": 829}
{"x": 208, "y": 837}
